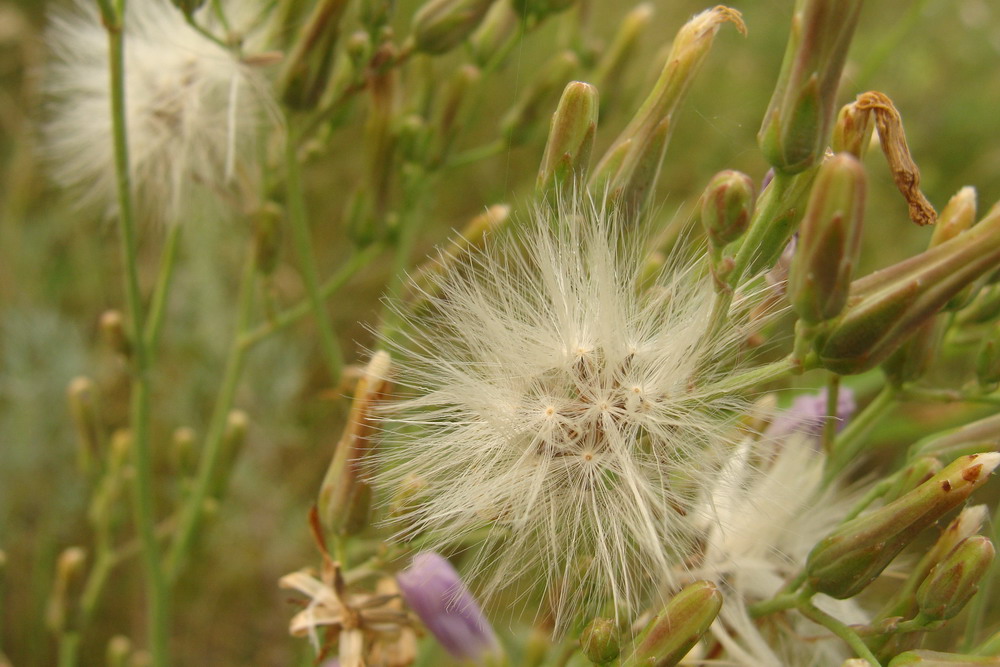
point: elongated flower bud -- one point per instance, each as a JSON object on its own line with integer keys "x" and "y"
{"x": 852, "y": 133}
{"x": 726, "y": 207}
{"x": 520, "y": 122}
{"x": 829, "y": 240}
{"x": 629, "y": 169}
{"x": 433, "y": 589}
{"x": 676, "y": 629}
{"x": 884, "y": 308}
{"x": 345, "y": 495}
{"x": 86, "y": 421}
{"x": 600, "y": 641}
{"x": 493, "y": 32}
{"x": 912, "y": 476}
{"x": 980, "y": 435}
{"x": 850, "y": 558}
{"x": 453, "y": 113}
{"x": 306, "y": 70}
{"x": 441, "y": 25}
{"x": 69, "y": 571}
{"x": 607, "y": 75}
{"x": 988, "y": 361}
{"x": 797, "y": 122}
{"x": 571, "y": 137}
{"x": 953, "y": 581}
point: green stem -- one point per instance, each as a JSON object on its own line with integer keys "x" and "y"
{"x": 840, "y": 629}
{"x": 158, "y": 304}
{"x": 409, "y": 219}
{"x": 852, "y": 439}
{"x": 307, "y": 260}
{"x": 761, "y": 226}
{"x": 778, "y": 603}
{"x": 192, "y": 512}
{"x": 754, "y": 376}
{"x": 356, "y": 262}
{"x": 156, "y": 585}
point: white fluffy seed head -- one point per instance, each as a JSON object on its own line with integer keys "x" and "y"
{"x": 561, "y": 419}
{"x": 192, "y": 108}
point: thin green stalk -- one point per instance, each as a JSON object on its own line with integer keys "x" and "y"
{"x": 192, "y": 511}
{"x": 156, "y": 586}
{"x": 761, "y": 226}
{"x": 840, "y": 629}
{"x": 778, "y": 603}
{"x": 410, "y": 214}
{"x": 355, "y": 263}
{"x": 307, "y": 260}
{"x": 852, "y": 439}
{"x": 755, "y": 376}
{"x": 158, "y": 304}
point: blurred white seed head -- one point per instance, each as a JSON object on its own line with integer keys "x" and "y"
{"x": 761, "y": 520}
{"x": 562, "y": 420}
{"x": 192, "y": 108}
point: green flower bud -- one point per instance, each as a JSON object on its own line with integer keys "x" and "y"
{"x": 829, "y": 240}
{"x": 675, "y": 630}
{"x": 112, "y": 326}
{"x": 497, "y": 28}
{"x": 852, "y": 133}
{"x": 441, "y": 25}
{"x": 345, "y": 495}
{"x": 953, "y": 581}
{"x": 452, "y": 114}
{"x": 726, "y": 207}
{"x": 912, "y": 476}
{"x": 600, "y": 641}
{"x": 233, "y": 439}
{"x": 911, "y": 359}
{"x": 851, "y": 557}
{"x": 521, "y": 121}
{"x": 306, "y": 71}
{"x": 923, "y": 658}
{"x": 183, "y": 450}
{"x": 884, "y": 308}
{"x": 609, "y": 70}
{"x": 797, "y": 123}
{"x": 988, "y": 360}
{"x": 571, "y": 138}
{"x": 629, "y": 169}
{"x": 978, "y": 436}
{"x": 984, "y": 307}
{"x": 957, "y": 216}
{"x": 82, "y": 397}
{"x": 69, "y": 571}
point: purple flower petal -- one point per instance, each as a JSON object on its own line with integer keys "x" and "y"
{"x": 806, "y": 414}
{"x": 433, "y": 589}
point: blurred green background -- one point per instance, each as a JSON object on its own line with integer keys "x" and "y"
{"x": 939, "y": 60}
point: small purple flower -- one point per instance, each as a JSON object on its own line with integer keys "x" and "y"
{"x": 433, "y": 589}
{"x": 806, "y": 414}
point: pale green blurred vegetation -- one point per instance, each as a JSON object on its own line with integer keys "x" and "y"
{"x": 939, "y": 60}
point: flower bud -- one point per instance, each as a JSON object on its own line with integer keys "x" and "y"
{"x": 520, "y": 122}
{"x": 118, "y": 651}
{"x": 82, "y": 397}
{"x": 829, "y": 240}
{"x": 183, "y": 450}
{"x": 797, "y": 122}
{"x": 433, "y": 589}
{"x": 69, "y": 568}
{"x": 345, "y": 495}
{"x": 496, "y": 29}
{"x": 306, "y": 70}
{"x": 676, "y": 629}
{"x": 452, "y": 114}
{"x": 953, "y": 581}
{"x": 629, "y": 169}
{"x": 978, "y": 436}
{"x": 924, "y": 658}
{"x": 609, "y": 70}
{"x": 726, "y": 207}
{"x": 852, "y": 133}
{"x": 988, "y": 361}
{"x": 441, "y": 25}
{"x": 571, "y": 138}
{"x": 233, "y": 439}
{"x": 884, "y": 308}
{"x": 112, "y": 326}
{"x": 957, "y": 216}
{"x": 600, "y": 641}
{"x": 910, "y": 477}
{"x": 911, "y": 360}
{"x": 851, "y": 557}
